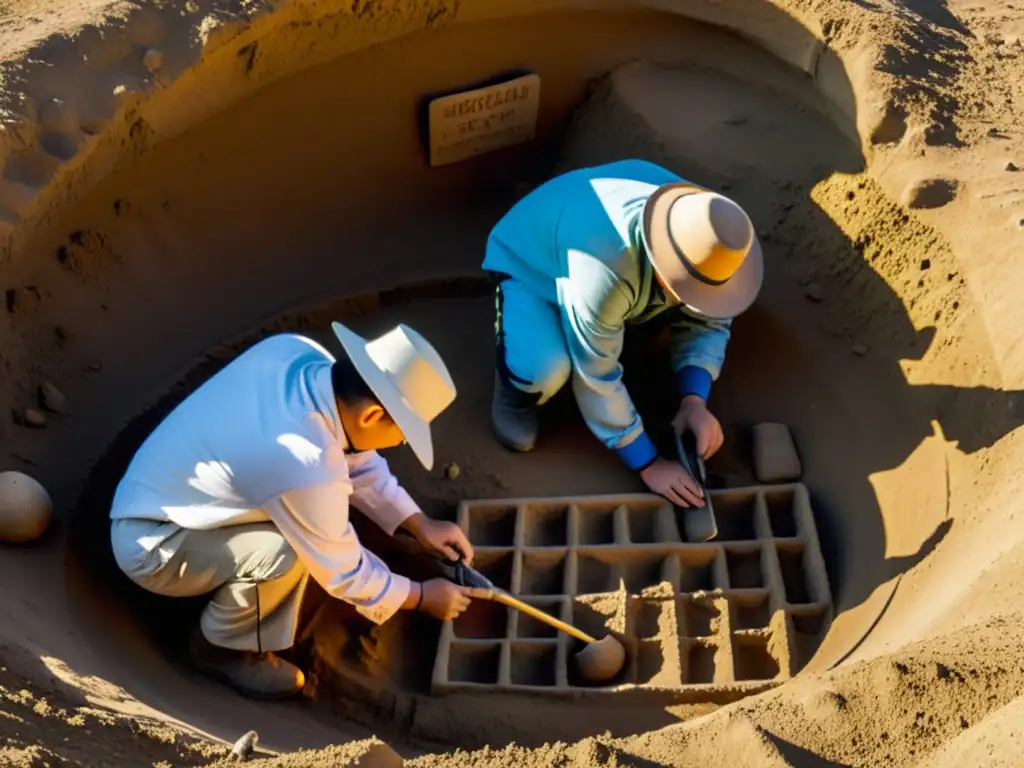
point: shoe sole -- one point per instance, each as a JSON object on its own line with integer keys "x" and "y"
{"x": 506, "y": 443}
{"x": 225, "y": 679}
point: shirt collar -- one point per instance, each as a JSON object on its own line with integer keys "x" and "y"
{"x": 650, "y": 288}
{"x": 322, "y": 392}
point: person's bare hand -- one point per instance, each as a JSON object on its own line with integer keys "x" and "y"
{"x": 694, "y": 415}
{"x": 441, "y": 536}
{"x": 672, "y": 481}
{"x": 444, "y": 600}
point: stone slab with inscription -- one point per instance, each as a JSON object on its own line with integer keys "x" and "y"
{"x": 470, "y": 123}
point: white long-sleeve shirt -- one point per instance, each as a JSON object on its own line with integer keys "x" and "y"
{"x": 262, "y": 441}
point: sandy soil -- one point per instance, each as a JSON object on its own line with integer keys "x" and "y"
{"x": 166, "y": 165}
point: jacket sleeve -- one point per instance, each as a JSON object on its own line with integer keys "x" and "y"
{"x": 315, "y": 522}
{"x": 376, "y": 491}
{"x": 697, "y": 349}
{"x": 594, "y": 303}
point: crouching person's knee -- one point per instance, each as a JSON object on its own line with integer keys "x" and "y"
{"x": 552, "y": 375}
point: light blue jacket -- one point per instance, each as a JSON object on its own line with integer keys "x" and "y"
{"x": 575, "y": 242}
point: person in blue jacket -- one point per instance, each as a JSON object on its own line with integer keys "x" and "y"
{"x": 596, "y": 249}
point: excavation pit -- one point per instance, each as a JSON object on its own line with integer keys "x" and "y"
{"x": 188, "y": 234}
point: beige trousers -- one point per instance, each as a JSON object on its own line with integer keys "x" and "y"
{"x": 256, "y": 580}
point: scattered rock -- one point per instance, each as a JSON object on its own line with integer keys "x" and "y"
{"x": 30, "y": 417}
{"x": 245, "y": 746}
{"x": 452, "y": 471}
{"x": 813, "y": 292}
{"x": 930, "y": 193}
{"x": 859, "y": 349}
{"x": 94, "y": 367}
{"x": 775, "y": 455}
{"x": 25, "y": 508}
{"x": 52, "y": 399}
{"x": 153, "y": 60}
{"x": 1012, "y": 167}
{"x": 736, "y": 120}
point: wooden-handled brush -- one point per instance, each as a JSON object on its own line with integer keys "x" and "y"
{"x": 599, "y": 660}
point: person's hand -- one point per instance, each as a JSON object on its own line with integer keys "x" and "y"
{"x": 694, "y": 415}
{"x": 440, "y": 536}
{"x": 443, "y": 600}
{"x": 672, "y": 481}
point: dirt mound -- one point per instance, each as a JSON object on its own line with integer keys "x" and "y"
{"x": 180, "y": 178}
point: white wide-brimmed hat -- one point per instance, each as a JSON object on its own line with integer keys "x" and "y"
{"x": 408, "y": 377}
{"x": 703, "y": 246}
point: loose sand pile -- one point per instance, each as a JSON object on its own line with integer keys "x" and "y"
{"x": 179, "y": 178}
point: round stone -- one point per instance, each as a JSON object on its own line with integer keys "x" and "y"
{"x": 25, "y": 508}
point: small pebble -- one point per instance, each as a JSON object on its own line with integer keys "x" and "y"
{"x": 859, "y": 349}
{"x": 94, "y": 367}
{"x": 1012, "y": 167}
{"x": 775, "y": 454}
{"x": 153, "y": 60}
{"x": 33, "y": 418}
{"x": 52, "y": 399}
{"x": 452, "y": 471}
{"x": 245, "y": 746}
{"x": 814, "y": 293}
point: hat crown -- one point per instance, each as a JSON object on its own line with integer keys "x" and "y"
{"x": 711, "y": 234}
{"x": 415, "y": 369}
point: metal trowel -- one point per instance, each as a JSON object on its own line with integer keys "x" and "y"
{"x": 699, "y": 522}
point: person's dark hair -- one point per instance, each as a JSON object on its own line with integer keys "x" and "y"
{"x": 348, "y": 385}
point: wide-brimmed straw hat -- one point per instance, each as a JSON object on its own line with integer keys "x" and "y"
{"x": 704, "y": 248}
{"x": 408, "y": 377}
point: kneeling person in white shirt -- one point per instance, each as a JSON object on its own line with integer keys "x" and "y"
{"x": 243, "y": 493}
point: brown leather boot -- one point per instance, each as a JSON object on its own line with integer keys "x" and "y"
{"x": 255, "y": 675}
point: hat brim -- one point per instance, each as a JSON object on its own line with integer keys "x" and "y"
{"x": 415, "y": 429}
{"x": 718, "y": 302}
